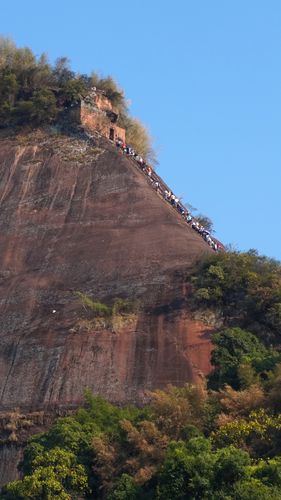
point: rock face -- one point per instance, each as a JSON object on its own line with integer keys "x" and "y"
{"x": 77, "y": 216}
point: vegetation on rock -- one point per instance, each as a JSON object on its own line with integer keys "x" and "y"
{"x": 34, "y": 92}
{"x": 99, "y": 309}
{"x": 245, "y": 288}
{"x": 96, "y": 315}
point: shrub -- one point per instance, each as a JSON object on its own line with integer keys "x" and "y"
{"x": 125, "y": 489}
{"x": 138, "y": 137}
{"x": 206, "y": 222}
{"x": 234, "y": 350}
{"x": 97, "y": 308}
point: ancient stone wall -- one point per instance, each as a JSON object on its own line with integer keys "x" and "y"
{"x": 103, "y": 103}
{"x": 95, "y": 120}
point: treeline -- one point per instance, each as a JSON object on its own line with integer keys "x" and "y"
{"x": 188, "y": 443}
{"x": 218, "y": 442}
{"x": 34, "y": 92}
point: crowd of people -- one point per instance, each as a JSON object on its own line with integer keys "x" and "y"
{"x": 168, "y": 195}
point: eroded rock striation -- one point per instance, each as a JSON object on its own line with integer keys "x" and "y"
{"x": 77, "y": 216}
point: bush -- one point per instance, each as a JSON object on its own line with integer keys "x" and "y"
{"x": 125, "y": 489}
{"x": 206, "y": 222}
{"x": 55, "y": 474}
{"x": 97, "y": 308}
{"x": 138, "y": 137}
{"x": 238, "y": 357}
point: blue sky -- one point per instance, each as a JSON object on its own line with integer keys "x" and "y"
{"x": 204, "y": 76}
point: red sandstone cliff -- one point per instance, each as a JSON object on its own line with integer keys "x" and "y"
{"x": 76, "y": 216}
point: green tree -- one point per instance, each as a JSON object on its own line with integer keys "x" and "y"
{"x": 8, "y": 92}
{"x": 246, "y": 290}
{"x": 269, "y": 472}
{"x": 259, "y": 432}
{"x": 44, "y": 106}
{"x": 233, "y": 346}
{"x": 23, "y": 112}
{"x": 62, "y": 73}
{"x": 125, "y": 489}
{"x": 253, "y": 489}
{"x": 230, "y": 467}
{"x": 55, "y": 474}
{"x": 72, "y": 91}
{"x": 187, "y": 471}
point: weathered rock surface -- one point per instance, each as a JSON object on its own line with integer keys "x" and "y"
{"x": 78, "y": 216}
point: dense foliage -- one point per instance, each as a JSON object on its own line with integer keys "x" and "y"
{"x": 246, "y": 289}
{"x": 240, "y": 359}
{"x": 186, "y": 444}
{"x": 34, "y": 92}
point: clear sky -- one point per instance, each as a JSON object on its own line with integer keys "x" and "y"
{"x": 204, "y": 76}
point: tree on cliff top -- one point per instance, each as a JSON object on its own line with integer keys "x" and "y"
{"x": 34, "y": 92}
{"x": 112, "y": 91}
{"x": 138, "y": 137}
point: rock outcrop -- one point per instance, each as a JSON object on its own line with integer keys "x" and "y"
{"x": 77, "y": 216}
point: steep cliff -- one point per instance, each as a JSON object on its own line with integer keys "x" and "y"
{"x": 77, "y": 216}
